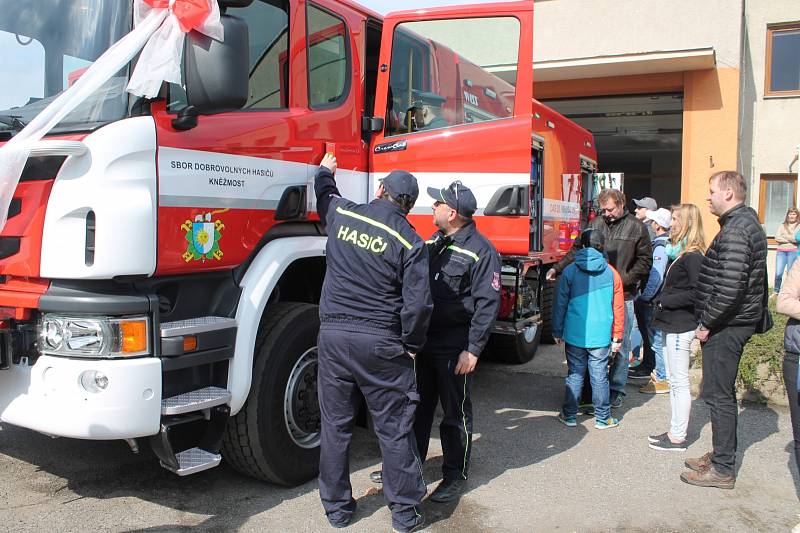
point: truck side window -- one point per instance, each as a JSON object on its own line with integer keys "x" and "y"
{"x": 268, "y": 28}
{"x": 328, "y": 58}
{"x": 437, "y": 79}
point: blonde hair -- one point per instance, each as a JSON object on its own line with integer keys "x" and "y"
{"x": 691, "y": 231}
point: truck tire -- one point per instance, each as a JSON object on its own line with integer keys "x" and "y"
{"x": 516, "y": 349}
{"x": 548, "y": 295}
{"x": 275, "y": 435}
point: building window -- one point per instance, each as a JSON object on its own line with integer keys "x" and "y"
{"x": 783, "y": 59}
{"x": 777, "y": 196}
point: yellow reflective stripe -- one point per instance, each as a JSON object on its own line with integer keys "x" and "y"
{"x": 377, "y": 224}
{"x": 431, "y": 241}
{"x": 463, "y": 251}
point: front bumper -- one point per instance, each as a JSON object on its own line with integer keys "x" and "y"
{"x": 48, "y": 397}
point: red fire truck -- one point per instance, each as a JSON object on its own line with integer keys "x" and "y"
{"x": 162, "y": 261}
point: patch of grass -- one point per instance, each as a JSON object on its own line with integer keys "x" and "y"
{"x": 763, "y": 350}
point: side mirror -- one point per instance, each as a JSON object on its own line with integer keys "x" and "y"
{"x": 510, "y": 200}
{"x": 217, "y": 74}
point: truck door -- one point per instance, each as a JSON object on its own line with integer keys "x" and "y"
{"x": 457, "y": 107}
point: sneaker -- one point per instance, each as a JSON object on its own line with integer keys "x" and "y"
{"x": 568, "y": 421}
{"x": 655, "y": 386}
{"x": 586, "y": 409}
{"x": 609, "y": 422}
{"x": 639, "y": 373}
{"x": 376, "y": 477}
{"x": 656, "y": 438}
{"x": 616, "y": 402}
{"x": 666, "y": 444}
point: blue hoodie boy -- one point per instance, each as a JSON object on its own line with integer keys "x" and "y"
{"x": 589, "y": 308}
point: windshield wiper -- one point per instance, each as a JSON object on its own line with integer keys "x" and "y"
{"x": 13, "y": 122}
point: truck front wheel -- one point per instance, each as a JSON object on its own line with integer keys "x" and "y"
{"x": 275, "y": 436}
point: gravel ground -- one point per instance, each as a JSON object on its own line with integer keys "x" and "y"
{"x": 528, "y": 473}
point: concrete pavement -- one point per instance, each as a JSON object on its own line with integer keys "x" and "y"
{"x": 529, "y": 473}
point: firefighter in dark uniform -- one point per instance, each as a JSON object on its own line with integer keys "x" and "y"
{"x": 374, "y": 312}
{"x": 465, "y": 284}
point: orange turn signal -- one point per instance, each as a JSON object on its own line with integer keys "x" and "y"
{"x": 134, "y": 335}
{"x": 189, "y": 343}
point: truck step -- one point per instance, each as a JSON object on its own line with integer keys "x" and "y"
{"x": 193, "y": 326}
{"x": 194, "y": 460}
{"x": 195, "y": 400}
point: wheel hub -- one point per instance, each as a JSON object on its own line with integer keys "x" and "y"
{"x": 301, "y": 404}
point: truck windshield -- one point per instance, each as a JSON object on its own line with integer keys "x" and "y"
{"x": 46, "y": 46}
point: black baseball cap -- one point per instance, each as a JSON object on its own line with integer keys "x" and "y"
{"x": 457, "y": 196}
{"x": 400, "y": 182}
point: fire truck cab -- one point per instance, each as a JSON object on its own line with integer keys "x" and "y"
{"x": 162, "y": 262}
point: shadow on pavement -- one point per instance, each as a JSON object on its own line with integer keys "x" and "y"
{"x": 514, "y": 433}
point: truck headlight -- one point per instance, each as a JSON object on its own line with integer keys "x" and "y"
{"x": 94, "y": 336}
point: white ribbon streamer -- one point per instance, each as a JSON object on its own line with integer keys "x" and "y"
{"x": 155, "y": 29}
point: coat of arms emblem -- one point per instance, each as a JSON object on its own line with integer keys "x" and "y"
{"x": 202, "y": 238}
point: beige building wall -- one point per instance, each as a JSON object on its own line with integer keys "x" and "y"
{"x": 590, "y": 28}
{"x": 770, "y": 130}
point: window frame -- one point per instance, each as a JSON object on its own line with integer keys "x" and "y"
{"x": 762, "y": 197}
{"x": 771, "y": 30}
{"x": 348, "y": 61}
{"x": 462, "y": 124}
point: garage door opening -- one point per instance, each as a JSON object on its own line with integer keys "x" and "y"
{"x": 639, "y": 136}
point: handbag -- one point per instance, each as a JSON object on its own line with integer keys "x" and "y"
{"x": 765, "y": 323}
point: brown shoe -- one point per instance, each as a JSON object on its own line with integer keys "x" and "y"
{"x": 708, "y": 478}
{"x": 699, "y": 464}
{"x": 655, "y": 386}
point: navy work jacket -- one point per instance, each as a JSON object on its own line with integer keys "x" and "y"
{"x": 377, "y": 268}
{"x": 465, "y": 283}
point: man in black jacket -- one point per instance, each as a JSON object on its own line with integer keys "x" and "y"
{"x": 630, "y": 252}
{"x": 374, "y": 312}
{"x": 730, "y": 302}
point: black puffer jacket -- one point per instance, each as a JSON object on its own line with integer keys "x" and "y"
{"x": 730, "y": 289}
{"x": 628, "y": 248}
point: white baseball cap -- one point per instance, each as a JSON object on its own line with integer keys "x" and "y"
{"x": 661, "y": 216}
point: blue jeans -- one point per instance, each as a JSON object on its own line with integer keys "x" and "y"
{"x": 597, "y": 361}
{"x": 618, "y": 374}
{"x": 657, "y": 342}
{"x": 783, "y": 261}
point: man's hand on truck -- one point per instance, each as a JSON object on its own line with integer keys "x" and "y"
{"x": 329, "y": 162}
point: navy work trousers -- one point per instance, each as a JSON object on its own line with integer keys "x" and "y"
{"x": 437, "y": 381}
{"x": 384, "y": 373}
